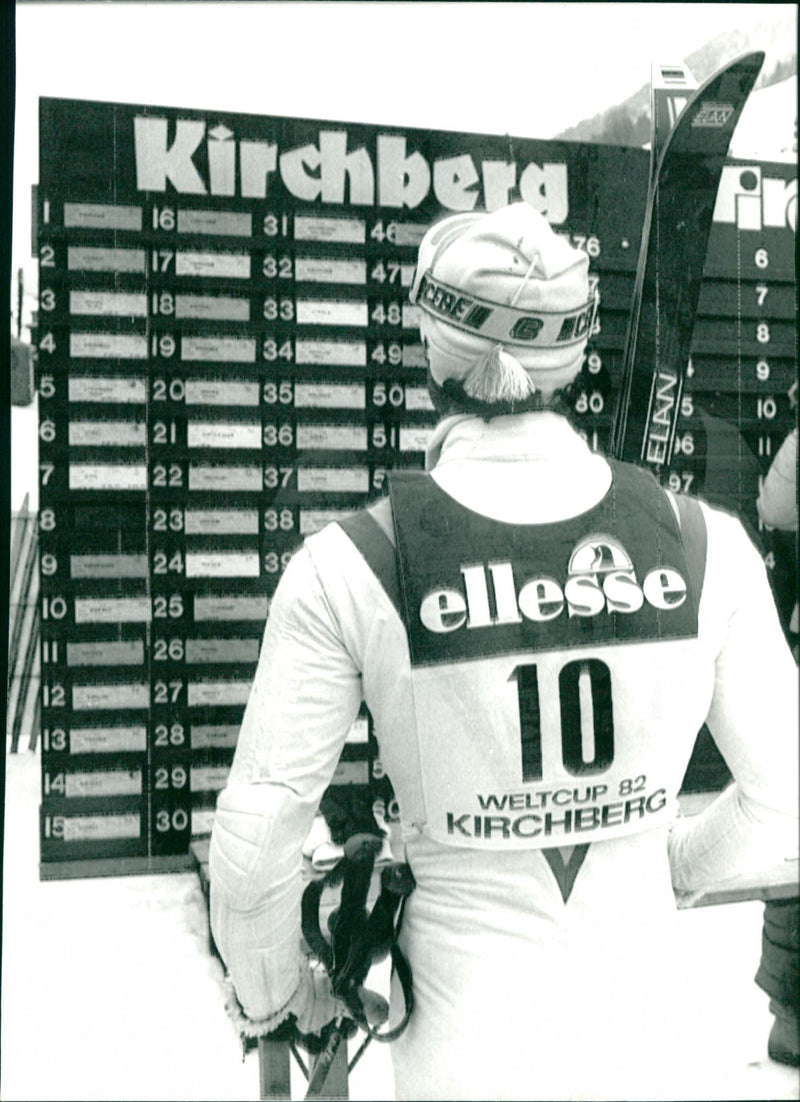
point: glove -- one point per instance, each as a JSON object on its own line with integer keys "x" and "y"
{"x": 310, "y": 1011}
{"x": 313, "y": 1005}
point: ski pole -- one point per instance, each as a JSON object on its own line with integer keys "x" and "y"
{"x": 322, "y": 1067}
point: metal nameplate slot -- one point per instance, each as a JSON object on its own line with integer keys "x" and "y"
{"x": 327, "y": 312}
{"x": 333, "y": 479}
{"x": 91, "y": 828}
{"x": 99, "y": 476}
{"x": 208, "y": 778}
{"x": 218, "y": 307}
{"x": 213, "y": 736}
{"x": 221, "y": 522}
{"x": 213, "y": 651}
{"x": 223, "y": 434}
{"x": 224, "y": 223}
{"x": 113, "y": 610}
{"x": 222, "y": 564}
{"x": 86, "y": 258}
{"x": 103, "y": 783}
{"x": 92, "y": 388}
{"x": 312, "y": 520}
{"x": 102, "y": 216}
{"x": 318, "y": 269}
{"x": 210, "y": 693}
{"x": 208, "y": 392}
{"x": 332, "y": 437}
{"x": 225, "y": 479}
{"x": 218, "y": 349}
{"x": 107, "y": 740}
{"x": 406, "y": 233}
{"x": 228, "y": 608}
{"x": 415, "y": 438}
{"x": 329, "y": 395}
{"x": 339, "y": 353}
{"x": 110, "y": 697}
{"x": 119, "y": 304}
{"x": 120, "y": 434}
{"x": 212, "y": 265}
{"x": 108, "y": 566}
{"x": 414, "y": 356}
{"x": 418, "y": 399}
{"x": 107, "y": 346}
{"x": 202, "y": 820}
{"x": 108, "y": 653}
{"x": 316, "y": 228}
{"x": 411, "y": 316}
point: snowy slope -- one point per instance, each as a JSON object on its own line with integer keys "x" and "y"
{"x": 767, "y": 129}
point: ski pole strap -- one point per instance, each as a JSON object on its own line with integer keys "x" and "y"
{"x": 354, "y": 872}
{"x": 401, "y": 966}
{"x": 358, "y": 938}
{"x": 309, "y": 920}
{"x": 351, "y": 950}
{"x": 397, "y": 883}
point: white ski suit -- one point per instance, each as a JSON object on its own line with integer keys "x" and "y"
{"x": 539, "y": 972}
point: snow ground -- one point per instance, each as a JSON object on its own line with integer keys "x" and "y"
{"x": 109, "y": 991}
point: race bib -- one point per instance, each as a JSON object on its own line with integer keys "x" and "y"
{"x": 538, "y": 655}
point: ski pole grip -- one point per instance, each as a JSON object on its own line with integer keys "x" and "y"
{"x": 360, "y": 845}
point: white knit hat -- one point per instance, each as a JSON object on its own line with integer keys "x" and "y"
{"x": 505, "y": 303}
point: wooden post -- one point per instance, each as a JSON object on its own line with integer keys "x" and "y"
{"x": 273, "y": 1069}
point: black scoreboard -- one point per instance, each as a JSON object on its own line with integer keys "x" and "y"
{"x": 228, "y": 360}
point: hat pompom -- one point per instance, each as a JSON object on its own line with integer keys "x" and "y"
{"x": 498, "y": 377}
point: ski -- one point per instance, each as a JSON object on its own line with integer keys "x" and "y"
{"x": 671, "y": 86}
{"x": 685, "y": 176}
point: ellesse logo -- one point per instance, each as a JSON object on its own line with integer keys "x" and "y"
{"x": 598, "y": 554}
{"x": 600, "y": 577}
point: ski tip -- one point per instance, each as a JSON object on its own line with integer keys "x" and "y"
{"x": 752, "y": 61}
{"x": 755, "y": 56}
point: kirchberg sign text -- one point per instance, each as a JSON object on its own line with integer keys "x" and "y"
{"x": 328, "y": 171}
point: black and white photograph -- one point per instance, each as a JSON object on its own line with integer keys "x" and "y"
{"x": 402, "y": 687}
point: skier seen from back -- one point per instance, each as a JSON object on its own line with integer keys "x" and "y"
{"x": 550, "y": 633}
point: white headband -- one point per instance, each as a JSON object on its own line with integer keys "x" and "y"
{"x": 497, "y": 322}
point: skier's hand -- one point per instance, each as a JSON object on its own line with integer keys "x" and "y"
{"x": 309, "y": 1015}
{"x": 314, "y": 1004}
